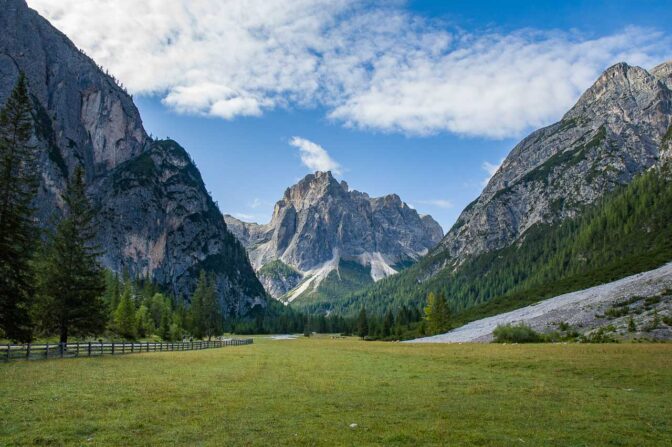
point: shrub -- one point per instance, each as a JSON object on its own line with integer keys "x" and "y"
{"x": 599, "y": 336}
{"x": 519, "y": 333}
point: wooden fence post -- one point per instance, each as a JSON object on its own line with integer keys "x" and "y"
{"x": 8, "y": 351}
{"x": 112, "y": 348}
{"x": 46, "y": 351}
{"x": 28, "y": 352}
{"x": 89, "y": 349}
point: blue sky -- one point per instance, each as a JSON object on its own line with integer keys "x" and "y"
{"x": 418, "y": 98}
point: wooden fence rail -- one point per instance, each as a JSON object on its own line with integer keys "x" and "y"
{"x": 91, "y": 349}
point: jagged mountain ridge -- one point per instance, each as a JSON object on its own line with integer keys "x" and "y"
{"x": 618, "y": 130}
{"x": 155, "y": 215}
{"x": 320, "y": 222}
{"x": 612, "y": 134}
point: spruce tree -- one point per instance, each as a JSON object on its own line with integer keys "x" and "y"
{"x": 124, "y": 316}
{"x": 388, "y": 322}
{"x": 164, "y": 327}
{"x": 197, "y": 311}
{"x": 71, "y": 280}
{"x": 18, "y": 230}
{"x": 362, "y": 323}
{"x": 143, "y": 322}
{"x": 437, "y": 313}
{"x": 212, "y": 310}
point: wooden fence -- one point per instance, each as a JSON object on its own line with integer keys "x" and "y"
{"x": 92, "y": 349}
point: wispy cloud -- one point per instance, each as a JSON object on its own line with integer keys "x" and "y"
{"x": 439, "y": 203}
{"x": 246, "y": 217}
{"x": 370, "y": 65}
{"x": 315, "y": 157}
{"x": 257, "y": 203}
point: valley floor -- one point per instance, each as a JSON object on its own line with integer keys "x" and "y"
{"x": 309, "y": 392}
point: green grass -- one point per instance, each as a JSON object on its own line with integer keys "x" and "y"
{"x": 308, "y": 391}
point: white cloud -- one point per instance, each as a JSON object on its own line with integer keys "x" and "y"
{"x": 439, "y": 203}
{"x": 370, "y": 64}
{"x": 257, "y": 203}
{"x": 491, "y": 169}
{"x": 246, "y": 217}
{"x": 314, "y": 156}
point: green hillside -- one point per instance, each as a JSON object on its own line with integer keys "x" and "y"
{"x": 627, "y": 232}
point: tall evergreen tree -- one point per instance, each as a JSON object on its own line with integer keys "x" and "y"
{"x": 71, "y": 280}
{"x": 212, "y": 310}
{"x": 388, "y": 323}
{"x": 362, "y": 323}
{"x": 124, "y": 316}
{"x": 197, "y": 309}
{"x": 437, "y": 313}
{"x": 18, "y": 230}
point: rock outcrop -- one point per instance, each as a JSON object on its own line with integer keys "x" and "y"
{"x": 156, "y": 217}
{"x": 320, "y": 222}
{"x": 613, "y": 133}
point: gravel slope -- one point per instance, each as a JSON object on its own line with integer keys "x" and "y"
{"x": 583, "y": 309}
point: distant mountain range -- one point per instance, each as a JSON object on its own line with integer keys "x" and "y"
{"x": 325, "y": 240}
{"x": 156, "y": 218}
{"x": 542, "y": 223}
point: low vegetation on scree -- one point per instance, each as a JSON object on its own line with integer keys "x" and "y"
{"x": 309, "y": 391}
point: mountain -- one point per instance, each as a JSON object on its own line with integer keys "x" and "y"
{"x": 515, "y": 231}
{"x": 612, "y": 134}
{"x": 325, "y": 239}
{"x": 155, "y": 216}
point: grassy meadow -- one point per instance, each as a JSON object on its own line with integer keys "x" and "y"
{"x": 308, "y": 392}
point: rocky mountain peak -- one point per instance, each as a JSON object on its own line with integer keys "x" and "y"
{"x": 312, "y": 188}
{"x": 613, "y": 133}
{"x": 663, "y": 72}
{"x": 155, "y": 215}
{"x": 320, "y": 223}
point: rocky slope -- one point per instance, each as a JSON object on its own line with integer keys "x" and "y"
{"x": 645, "y": 297}
{"x": 613, "y": 133}
{"x": 156, "y": 216}
{"x": 320, "y": 223}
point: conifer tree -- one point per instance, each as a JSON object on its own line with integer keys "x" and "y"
{"x": 143, "y": 322}
{"x": 362, "y": 323}
{"x": 197, "y": 309}
{"x": 124, "y": 316}
{"x": 18, "y": 231}
{"x": 437, "y": 313}
{"x": 164, "y": 327}
{"x": 71, "y": 280}
{"x": 212, "y": 313}
{"x": 388, "y": 323}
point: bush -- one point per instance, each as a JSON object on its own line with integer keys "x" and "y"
{"x": 599, "y": 336}
{"x": 519, "y": 333}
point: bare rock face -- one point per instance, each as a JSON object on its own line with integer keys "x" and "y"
{"x": 613, "y": 133}
{"x": 319, "y": 223}
{"x": 156, "y": 217}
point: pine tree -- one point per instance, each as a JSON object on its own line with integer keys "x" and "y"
{"x": 71, "y": 280}
{"x": 196, "y": 311}
{"x": 143, "y": 322}
{"x": 124, "y": 316}
{"x": 362, "y": 323}
{"x": 18, "y": 230}
{"x": 437, "y": 313}
{"x": 388, "y": 323}
{"x": 164, "y": 327}
{"x": 631, "y": 325}
{"x": 212, "y": 310}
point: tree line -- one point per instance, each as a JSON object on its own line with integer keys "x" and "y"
{"x": 52, "y": 283}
